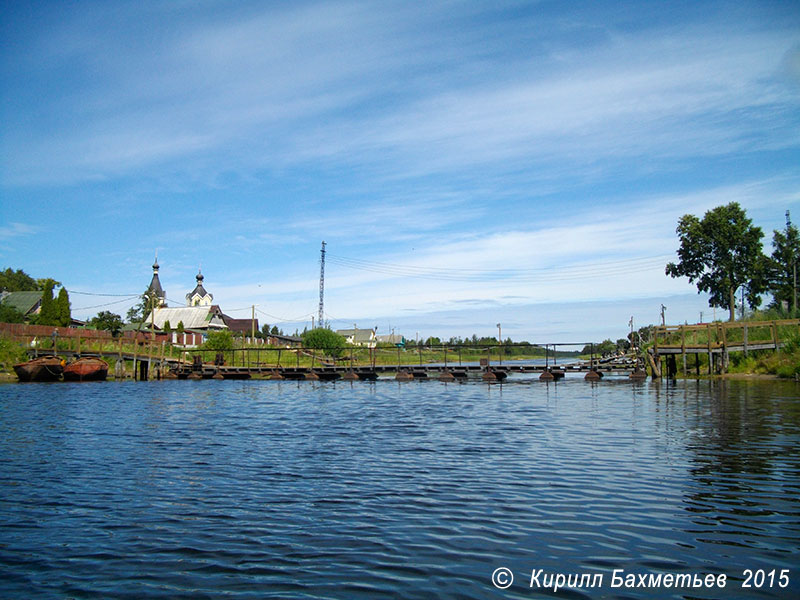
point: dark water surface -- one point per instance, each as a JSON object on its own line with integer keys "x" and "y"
{"x": 222, "y": 489}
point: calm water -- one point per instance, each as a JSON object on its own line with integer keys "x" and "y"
{"x": 221, "y": 489}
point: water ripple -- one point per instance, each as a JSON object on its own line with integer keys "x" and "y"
{"x": 385, "y": 490}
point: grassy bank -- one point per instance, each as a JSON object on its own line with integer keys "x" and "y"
{"x": 785, "y": 363}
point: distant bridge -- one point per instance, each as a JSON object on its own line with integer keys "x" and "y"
{"x": 152, "y": 359}
{"x": 152, "y": 365}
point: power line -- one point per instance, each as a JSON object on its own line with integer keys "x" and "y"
{"x": 284, "y": 320}
{"x": 97, "y": 294}
{"x": 102, "y": 305}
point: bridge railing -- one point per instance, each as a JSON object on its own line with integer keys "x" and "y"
{"x": 266, "y": 357}
{"x": 713, "y": 336}
{"x": 145, "y": 346}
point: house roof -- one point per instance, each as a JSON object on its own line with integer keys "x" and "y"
{"x": 390, "y": 338}
{"x": 358, "y": 335}
{"x": 24, "y": 302}
{"x": 193, "y": 317}
{"x": 245, "y": 325}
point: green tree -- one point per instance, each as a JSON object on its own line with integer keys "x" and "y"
{"x": 322, "y": 338}
{"x": 180, "y": 328}
{"x": 219, "y": 340}
{"x": 17, "y": 281}
{"x": 782, "y": 274}
{"x": 48, "y": 312}
{"x": 604, "y": 347}
{"x": 722, "y": 253}
{"x": 63, "y": 311}
{"x": 9, "y": 314}
{"x": 108, "y": 321}
{"x": 167, "y": 327}
{"x": 40, "y": 283}
{"x": 139, "y": 312}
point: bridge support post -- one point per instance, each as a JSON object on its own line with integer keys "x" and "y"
{"x": 655, "y": 367}
{"x": 143, "y": 370}
{"x": 119, "y": 369}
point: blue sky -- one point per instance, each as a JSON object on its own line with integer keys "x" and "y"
{"x": 467, "y": 163}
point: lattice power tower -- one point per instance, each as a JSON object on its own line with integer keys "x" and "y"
{"x": 322, "y": 286}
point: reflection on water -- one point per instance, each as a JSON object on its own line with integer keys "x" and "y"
{"x": 389, "y": 489}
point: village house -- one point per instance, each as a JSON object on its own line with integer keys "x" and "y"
{"x": 28, "y": 304}
{"x": 391, "y": 338}
{"x": 359, "y": 337}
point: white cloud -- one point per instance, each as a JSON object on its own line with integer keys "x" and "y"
{"x": 14, "y": 230}
{"x": 332, "y": 83}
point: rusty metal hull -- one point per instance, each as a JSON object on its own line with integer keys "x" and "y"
{"x": 46, "y": 368}
{"x": 86, "y": 369}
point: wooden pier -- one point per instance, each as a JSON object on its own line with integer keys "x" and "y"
{"x": 716, "y": 341}
{"x": 155, "y": 365}
{"x": 404, "y": 372}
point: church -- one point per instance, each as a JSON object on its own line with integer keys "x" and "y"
{"x": 199, "y": 314}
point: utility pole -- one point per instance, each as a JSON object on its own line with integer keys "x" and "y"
{"x": 794, "y": 267}
{"x": 663, "y": 319}
{"x": 253, "y": 325}
{"x": 321, "y": 284}
{"x": 500, "y": 341}
{"x": 630, "y": 324}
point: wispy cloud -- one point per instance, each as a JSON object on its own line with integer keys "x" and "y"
{"x": 285, "y": 87}
{"x": 14, "y": 230}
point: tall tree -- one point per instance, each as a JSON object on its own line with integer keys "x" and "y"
{"x": 9, "y": 314}
{"x": 17, "y": 281}
{"x": 42, "y": 281}
{"x": 324, "y": 339}
{"x": 783, "y": 265}
{"x": 107, "y": 320}
{"x": 138, "y": 312}
{"x": 63, "y": 313}
{"x": 722, "y": 253}
{"x": 48, "y": 312}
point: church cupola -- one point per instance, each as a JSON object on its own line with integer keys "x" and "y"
{"x": 199, "y": 296}
{"x": 155, "y": 285}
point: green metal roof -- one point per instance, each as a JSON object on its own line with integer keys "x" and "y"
{"x": 24, "y": 302}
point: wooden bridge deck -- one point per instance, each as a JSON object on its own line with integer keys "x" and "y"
{"x": 401, "y": 371}
{"x": 169, "y": 367}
